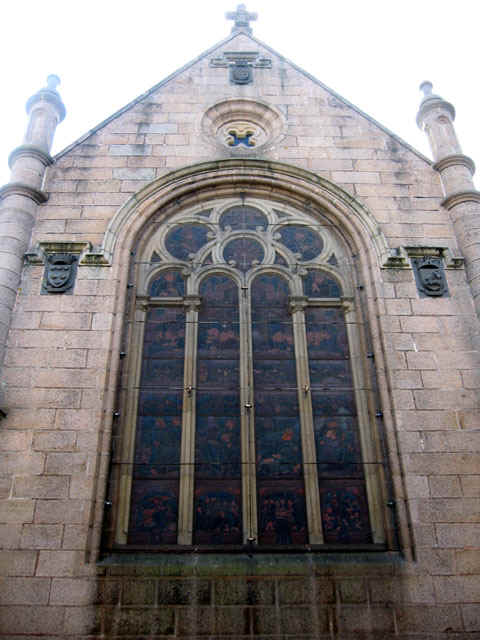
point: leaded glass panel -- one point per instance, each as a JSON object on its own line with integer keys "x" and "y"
{"x": 246, "y": 419}
{"x": 217, "y": 503}
{"x": 281, "y": 494}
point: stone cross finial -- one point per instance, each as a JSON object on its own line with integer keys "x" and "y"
{"x": 242, "y": 19}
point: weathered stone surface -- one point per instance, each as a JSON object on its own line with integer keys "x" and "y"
{"x": 62, "y": 384}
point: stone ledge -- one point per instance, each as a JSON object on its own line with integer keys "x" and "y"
{"x": 455, "y": 160}
{"x": 21, "y": 189}
{"x": 399, "y": 258}
{"x": 30, "y": 151}
{"x": 244, "y": 564}
{"x": 460, "y": 198}
{"x": 89, "y": 255}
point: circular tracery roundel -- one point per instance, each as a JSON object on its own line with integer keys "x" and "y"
{"x": 242, "y": 125}
{"x": 243, "y": 217}
{"x": 243, "y": 237}
{"x": 243, "y": 253}
{"x": 185, "y": 240}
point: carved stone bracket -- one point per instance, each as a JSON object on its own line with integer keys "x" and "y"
{"x": 54, "y": 255}
{"x": 400, "y": 257}
{"x": 87, "y": 254}
{"x": 241, "y": 64}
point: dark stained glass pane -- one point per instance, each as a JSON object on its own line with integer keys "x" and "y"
{"x": 218, "y": 512}
{"x": 281, "y": 499}
{"x": 326, "y": 334}
{"x": 218, "y": 447}
{"x": 338, "y": 448}
{"x": 243, "y": 217}
{"x": 167, "y": 284}
{"x": 331, "y": 374}
{"x": 278, "y": 446}
{"x": 218, "y": 374}
{"x": 281, "y": 512}
{"x": 270, "y": 289}
{"x": 154, "y": 499}
{"x": 326, "y": 403}
{"x": 319, "y": 284}
{"x": 154, "y": 512}
{"x": 218, "y": 403}
{"x": 160, "y": 373}
{"x": 279, "y": 259}
{"x": 302, "y": 240}
{"x": 186, "y": 239}
{"x": 164, "y": 335}
{"x": 158, "y": 446}
{"x": 244, "y": 253}
{"x": 345, "y": 512}
{"x": 217, "y": 438}
{"x": 339, "y": 458}
{"x": 219, "y": 291}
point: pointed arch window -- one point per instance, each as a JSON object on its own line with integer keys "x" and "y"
{"x": 248, "y": 408}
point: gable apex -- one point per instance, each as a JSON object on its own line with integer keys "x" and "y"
{"x": 243, "y": 33}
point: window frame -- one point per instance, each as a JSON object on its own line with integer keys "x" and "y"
{"x": 363, "y": 391}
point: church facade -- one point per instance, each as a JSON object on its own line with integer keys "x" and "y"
{"x": 239, "y": 366}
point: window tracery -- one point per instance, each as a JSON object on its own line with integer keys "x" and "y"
{"x": 247, "y": 422}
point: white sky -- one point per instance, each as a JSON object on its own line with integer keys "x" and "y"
{"x": 374, "y": 53}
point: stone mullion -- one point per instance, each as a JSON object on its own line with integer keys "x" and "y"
{"x": 247, "y": 421}
{"x": 130, "y": 405}
{"x": 187, "y": 450}
{"x": 371, "y": 454}
{"x": 310, "y": 474}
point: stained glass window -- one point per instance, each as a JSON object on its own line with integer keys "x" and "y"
{"x": 245, "y": 422}
{"x": 154, "y": 503}
{"x": 302, "y": 240}
{"x": 186, "y": 239}
{"x": 243, "y": 217}
{"x": 168, "y": 283}
{"x": 281, "y": 492}
{"x": 243, "y": 253}
{"x": 217, "y": 504}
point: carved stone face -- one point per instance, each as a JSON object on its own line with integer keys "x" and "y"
{"x": 430, "y": 276}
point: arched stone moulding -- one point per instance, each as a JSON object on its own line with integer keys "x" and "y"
{"x": 274, "y": 180}
{"x": 278, "y": 182}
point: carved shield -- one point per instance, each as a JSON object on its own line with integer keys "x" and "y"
{"x": 59, "y": 273}
{"x": 241, "y": 72}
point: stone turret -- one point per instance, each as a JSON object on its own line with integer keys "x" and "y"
{"x": 436, "y": 117}
{"x": 20, "y": 197}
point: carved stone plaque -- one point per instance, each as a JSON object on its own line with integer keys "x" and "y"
{"x": 241, "y": 72}
{"x": 60, "y": 272}
{"x": 430, "y": 276}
